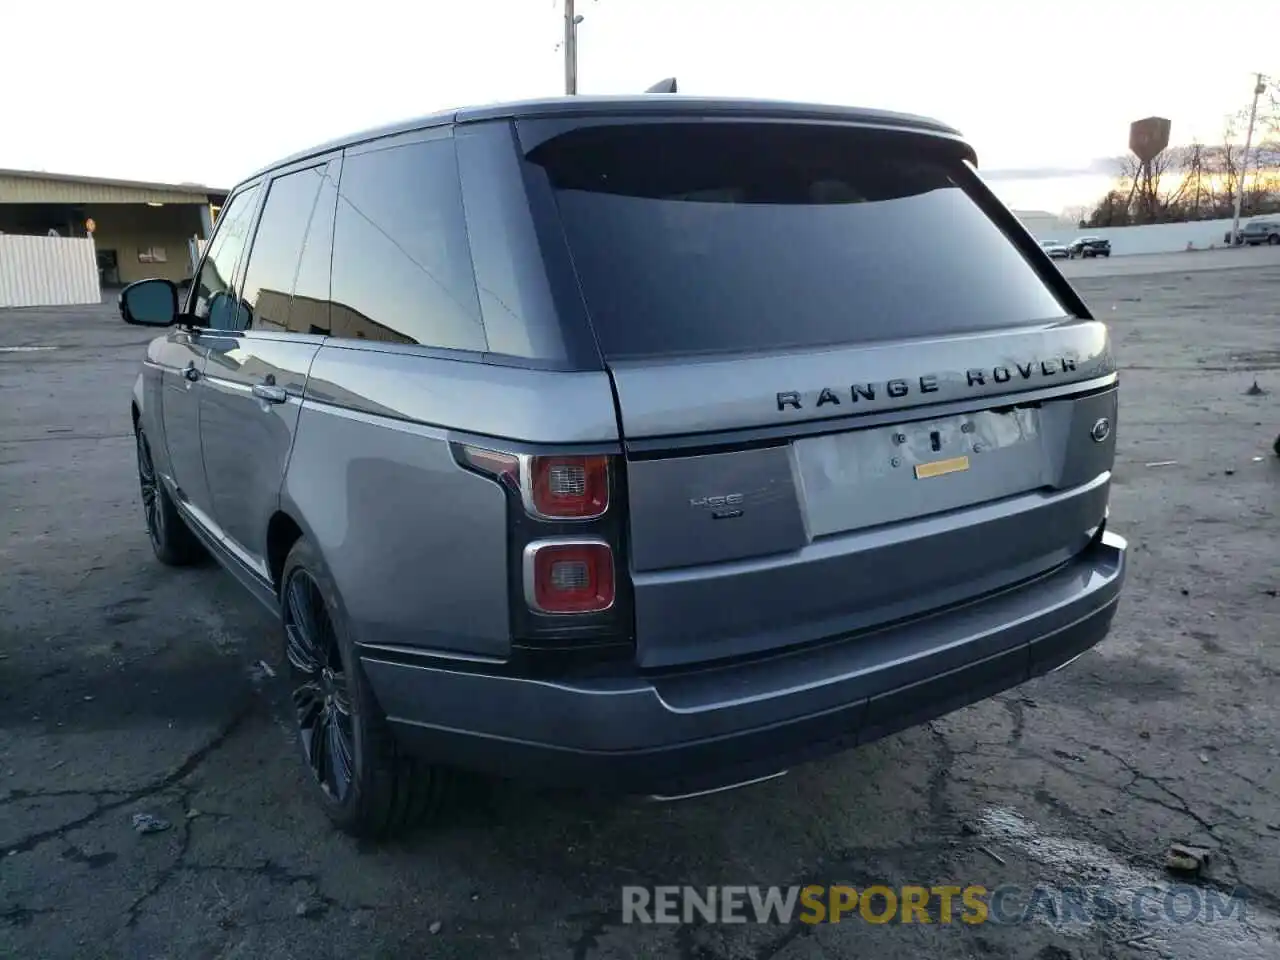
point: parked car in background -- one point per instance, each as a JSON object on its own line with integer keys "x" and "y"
{"x": 1056, "y": 249}
{"x": 1089, "y": 247}
{"x": 521, "y": 509}
{"x": 1260, "y": 231}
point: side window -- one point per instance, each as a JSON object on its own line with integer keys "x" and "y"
{"x": 213, "y": 303}
{"x": 277, "y": 247}
{"x": 309, "y": 309}
{"x": 401, "y": 261}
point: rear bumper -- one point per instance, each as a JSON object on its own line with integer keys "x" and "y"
{"x": 699, "y": 730}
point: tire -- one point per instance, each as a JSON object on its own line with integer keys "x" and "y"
{"x": 369, "y": 787}
{"x": 172, "y": 540}
{"x": 1274, "y": 240}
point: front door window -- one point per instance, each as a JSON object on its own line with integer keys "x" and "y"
{"x": 214, "y": 300}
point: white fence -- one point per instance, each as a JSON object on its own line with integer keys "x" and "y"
{"x": 1152, "y": 238}
{"x": 47, "y": 271}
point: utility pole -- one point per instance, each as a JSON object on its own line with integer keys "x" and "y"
{"x": 570, "y": 49}
{"x": 1258, "y": 89}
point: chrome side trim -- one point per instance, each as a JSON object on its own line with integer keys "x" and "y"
{"x": 1067, "y": 663}
{"x": 214, "y": 532}
{"x": 427, "y": 653}
{"x": 671, "y": 798}
{"x": 375, "y": 419}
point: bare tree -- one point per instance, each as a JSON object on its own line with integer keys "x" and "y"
{"x": 1077, "y": 215}
{"x": 1111, "y": 211}
{"x": 1197, "y": 181}
{"x": 1225, "y": 167}
{"x": 1197, "y": 194}
{"x": 1268, "y": 121}
{"x": 1153, "y": 190}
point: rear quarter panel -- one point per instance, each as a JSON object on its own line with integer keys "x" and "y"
{"x": 417, "y": 545}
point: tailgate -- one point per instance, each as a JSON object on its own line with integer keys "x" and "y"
{"x": 851, "y": 387}
{"x": 743, "y": 550}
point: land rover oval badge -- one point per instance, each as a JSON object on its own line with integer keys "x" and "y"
{"x": 1101, "y": 430}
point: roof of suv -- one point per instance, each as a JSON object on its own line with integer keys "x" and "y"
{"x": 638, "y": 105}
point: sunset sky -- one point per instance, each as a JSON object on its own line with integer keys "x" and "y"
{"x": 143, "y": 89}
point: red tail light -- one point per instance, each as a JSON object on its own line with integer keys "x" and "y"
{"x": 569, "y": 488}
{"x": 570, "y": 603}
{"x": 568, "y": 576}
{"x": 552, "y": 488}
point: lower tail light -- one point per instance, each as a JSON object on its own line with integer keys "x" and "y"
{"x": 569, "y": 576}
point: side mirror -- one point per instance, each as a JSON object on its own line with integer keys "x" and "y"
{"x": 149, "y": 303}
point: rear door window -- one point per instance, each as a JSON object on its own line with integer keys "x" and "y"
{"x": 712, "y": 238}
{"x": 309, "y": 308}
{"x": 401, "y": 262}
{"x": 277, "y": 247}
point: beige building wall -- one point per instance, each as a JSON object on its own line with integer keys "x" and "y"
{"x": 322, "y": 317}
{"x": 148, "y": 225}
{"x": 140, "y": 235}
{"x": 346, "y": 322}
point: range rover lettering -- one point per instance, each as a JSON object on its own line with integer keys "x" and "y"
{"x": 929, "y": 383}
{"x": 631, "y": 442}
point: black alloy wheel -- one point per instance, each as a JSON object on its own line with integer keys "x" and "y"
{"x": 368, "y": 784}
{"x": 321, "y": 694}
{"x": 171, "y": 539}
{"x": 150, "y": 492}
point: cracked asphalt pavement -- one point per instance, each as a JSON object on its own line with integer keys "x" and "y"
{"x": 130, "y": 688}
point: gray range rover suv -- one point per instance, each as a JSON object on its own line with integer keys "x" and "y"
{"x": 637, "y": 442}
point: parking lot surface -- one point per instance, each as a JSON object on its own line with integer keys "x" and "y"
{"x": 128, "y": 688}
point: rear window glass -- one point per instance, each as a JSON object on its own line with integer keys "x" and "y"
{"x": 714, "y": 238}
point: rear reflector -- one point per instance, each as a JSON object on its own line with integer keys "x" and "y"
{"x": 491, "y": 462}
{"x": 569, "y": 488}
{"x": 568, "y": 576}
{"x": 551, "y": 488}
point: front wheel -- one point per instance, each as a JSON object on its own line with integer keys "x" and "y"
{"x": 171, "y": 539}
{"x": 1274, "y": 240}
{"x": 366, "y": 783}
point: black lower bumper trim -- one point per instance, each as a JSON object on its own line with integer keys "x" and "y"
{"x": 701, "y": 765}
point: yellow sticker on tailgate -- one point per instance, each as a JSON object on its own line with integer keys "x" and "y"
{"x": 940, "y": 468}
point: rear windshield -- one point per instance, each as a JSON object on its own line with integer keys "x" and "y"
{"x": 716, "y": 237}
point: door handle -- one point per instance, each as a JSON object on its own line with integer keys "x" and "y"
{"x": 191, "y": 373}
{"x": 270, "y": 393}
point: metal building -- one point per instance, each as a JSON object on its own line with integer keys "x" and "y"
{"x": 138, "y": 229}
